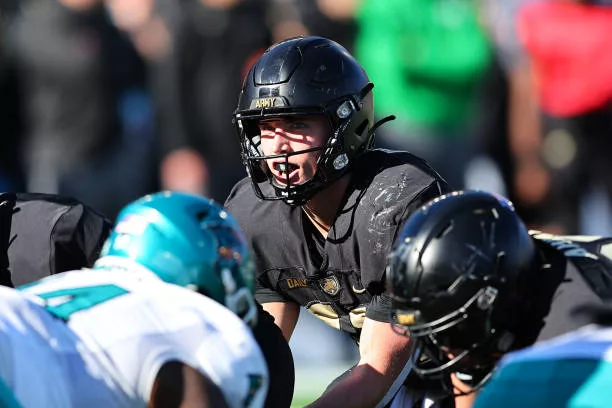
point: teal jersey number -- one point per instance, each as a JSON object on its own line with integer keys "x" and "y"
{"x": 64, "y": 302}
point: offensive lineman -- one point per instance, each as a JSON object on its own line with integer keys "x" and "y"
{"x": 133, "y": 331}
{"x": 469, "y": 284}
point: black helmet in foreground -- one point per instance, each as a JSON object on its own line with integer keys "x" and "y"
{"x": 455, "y": 279}
{"x": 306, "y": 76}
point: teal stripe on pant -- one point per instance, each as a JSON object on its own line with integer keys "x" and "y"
{"x": 7, "y": 398}
{"x": 597, "y": 389}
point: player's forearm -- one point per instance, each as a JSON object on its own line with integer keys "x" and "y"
{"x": 383, "y": 355}
{"x": 285, "y": 316}
{"x": 362, "y": 387}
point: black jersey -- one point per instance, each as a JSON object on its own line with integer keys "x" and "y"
{"x": 340, "y": 278}
{"x": 574, "y": 270}
{"x": 48, "y": 234}
{"x": 7, "y": 203}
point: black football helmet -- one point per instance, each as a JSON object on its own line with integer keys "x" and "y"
{"x": 306, "y": 76}
{"x": 455, "y": 280}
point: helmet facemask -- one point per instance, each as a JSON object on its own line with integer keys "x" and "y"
{"x": 238, "y": 299}
{"x": 234, "y": 270}
{"x": 337, "y": 154}
{"x": 466, "y": 341}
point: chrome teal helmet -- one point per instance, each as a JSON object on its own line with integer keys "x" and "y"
{"x": 186, "y": 240}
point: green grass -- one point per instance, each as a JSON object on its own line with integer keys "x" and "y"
{"x": 311, "y": 381}
{"x": 302, "y": 402}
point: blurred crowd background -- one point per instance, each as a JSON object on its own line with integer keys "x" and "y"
{"x": 106, "y": 100}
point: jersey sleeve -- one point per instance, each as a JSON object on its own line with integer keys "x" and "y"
{"x": 373, "y": 267}
{"x": 269, "y": 296}
{"x": 265, "y": 294}
{"x": 379, "y": 308}
{"x": 230, "y": 357}
{"x": 149, "y": 371}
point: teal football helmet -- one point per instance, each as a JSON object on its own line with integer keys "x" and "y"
{"x": 186, "y": 240}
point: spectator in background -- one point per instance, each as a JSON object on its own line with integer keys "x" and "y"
{"x": 554, "y": 54}
{"x": 568, "y": 45}
{"x": 9, "y": 8}
{"x": 528, "y": 180}
{"x": 427, "y": 60}
{"x": 88, "y": 114}
{"x": 155, "y": 28}
{"x": 333, "y": 19}
{"x": 213, "y": 54}
{"x": 11, "y": 126}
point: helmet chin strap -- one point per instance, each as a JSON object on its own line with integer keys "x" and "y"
{"x": 446, "y": 367}
{"x": 473, "y": 388}
{"x": 427, "y": 372}
{"x": 382, "y": 122}
{"x": 376, "y": 126}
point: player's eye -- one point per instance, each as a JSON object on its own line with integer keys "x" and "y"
{"x": 266, "y": 127}
{"x": 299, "y": 125}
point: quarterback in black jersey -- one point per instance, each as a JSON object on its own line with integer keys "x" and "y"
{"x": 321, "y": 207}
{"x": 469, "y": 283}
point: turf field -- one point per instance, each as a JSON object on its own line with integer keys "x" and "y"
{"x": 311, "y": 381}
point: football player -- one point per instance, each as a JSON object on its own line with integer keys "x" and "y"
{"x": 134, "y": 331}
{"x": 321, "y": 206}
{"x": 469, "y": 283}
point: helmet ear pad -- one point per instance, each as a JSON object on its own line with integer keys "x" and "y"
{"x": 352, "y": 137}
{"x": 361, "y": 134}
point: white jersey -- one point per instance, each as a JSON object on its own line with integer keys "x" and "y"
{"x": 97, "y": 338}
